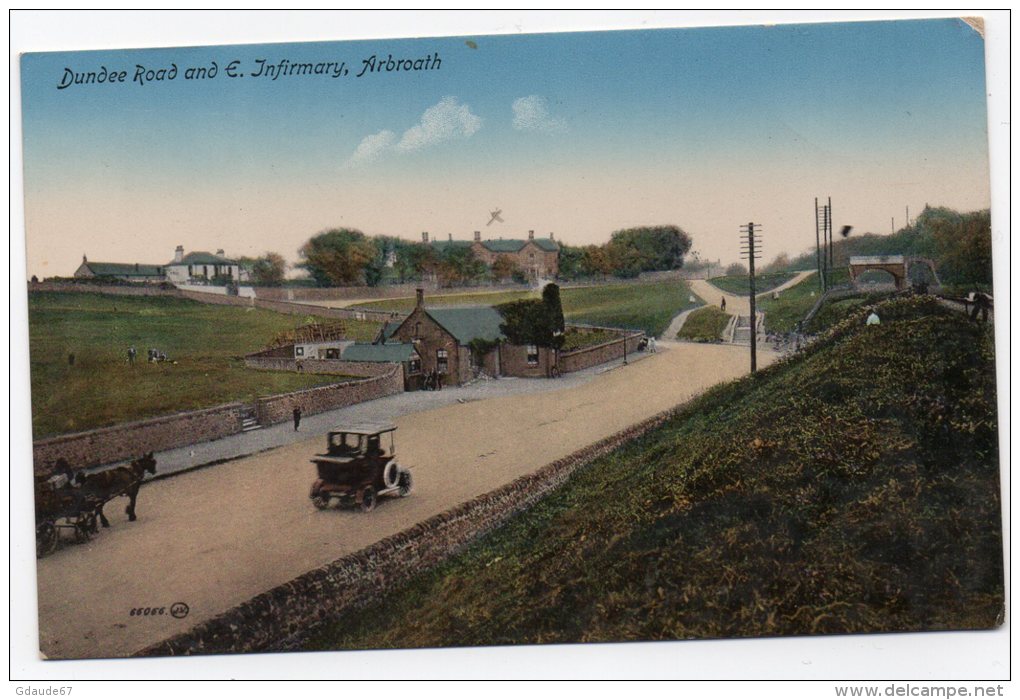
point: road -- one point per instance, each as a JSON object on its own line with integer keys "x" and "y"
{"x": 215, "y": 537}
{"x": 738, "y": 304}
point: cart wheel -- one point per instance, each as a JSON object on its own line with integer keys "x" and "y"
{"x": 320, "y": 501}
{"x": 391, "y": 475}
{"x": 82, "y": 529}
{"x": 46, "y": 538}
{"x": 406, "y": 484}
{"x": 368, "y": 499}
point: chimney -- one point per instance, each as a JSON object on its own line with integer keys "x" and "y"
{"x": 424, "y": 236}
{"x": 84, "y": 259}
{"x": 219, "y": 251}
{"x": 551, "y": 236}
{"x": 136, "y": 267}
{"x": 179, "y": 254}
{"x": 531, "y": 235}
{"x": 420, "y": 297}
{"x": 451, "y": 237}
{"x": 478, "y": 235}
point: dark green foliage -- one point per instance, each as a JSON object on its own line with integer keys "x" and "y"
{"x": 338, "y": 257}
{"x": 534, "y": 321}
{"x": 861, "y": 496}
{"x": 648, "y": 248}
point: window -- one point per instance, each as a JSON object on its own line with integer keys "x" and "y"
{"x": 414, "y": 365}
{"x": 417, "y": 329}
{"x": 441, "y": 361}
{"x": 299, "y": 350}
{"x": 532, "y": 355}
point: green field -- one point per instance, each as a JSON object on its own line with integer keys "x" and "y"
{"x": 206, "y": 341}
{"x": 851, "y": 488}
{"x": 704, "y": 325}
{"x": 648, "y": 307}
{"x": 741, "y": 285}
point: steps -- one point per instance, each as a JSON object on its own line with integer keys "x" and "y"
{"x": 248, "y": 421}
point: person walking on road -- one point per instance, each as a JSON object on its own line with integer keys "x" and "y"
{"x": 722, "y": 304}
{"x": 297, "y": 417}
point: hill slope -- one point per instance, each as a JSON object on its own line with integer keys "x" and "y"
{"x": 852, "y": 488}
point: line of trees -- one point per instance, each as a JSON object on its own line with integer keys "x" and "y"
{"x": 347, "y": 257}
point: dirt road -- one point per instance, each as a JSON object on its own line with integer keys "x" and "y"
{"x": 738, "y": 304}
{"x": 216, "y": 537}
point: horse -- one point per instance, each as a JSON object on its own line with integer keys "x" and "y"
{"x": 122, "y": 481}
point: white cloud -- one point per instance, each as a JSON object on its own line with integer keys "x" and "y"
{"x": 371, "y": 147}
{"x": 446, "y": 120}
{"x": 531, "y": 113}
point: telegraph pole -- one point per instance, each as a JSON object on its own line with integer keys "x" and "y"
{"x": 818, "y": 250}
{"x": 750, "y": 250}
{"x": 828, "y": 222}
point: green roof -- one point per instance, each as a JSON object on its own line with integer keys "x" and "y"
{"x": 469, "y": 323}
{"x": 389, "y": 328}
{"x": 513, "y": 245}
{"x": 367, "y": 352}
{"x": 200, "y": 257}
{"x": 125, "y": 269}
{"x": 443, "y": 245}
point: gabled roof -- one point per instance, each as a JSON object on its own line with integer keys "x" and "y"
{"x": 200, "y": 257}
{"x": 388, "y": 352}
{"x": 468, "y": 323}
{"x": 389, "y": 328}
{"x": 125, "y": 269}
{"x": 513, "y": 245}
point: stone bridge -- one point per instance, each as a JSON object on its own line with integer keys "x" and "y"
{"x": 898, "y": 266}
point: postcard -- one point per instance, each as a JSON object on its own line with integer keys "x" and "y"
{"x": 515, "y": 339}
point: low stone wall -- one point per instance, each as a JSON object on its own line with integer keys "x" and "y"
{"x": 346, "y": 368}
{"x": 599, "y": 354}
{"x": 130, "y": 440}
{"x": 132, "y": 290}
{"x": 280, "y": 408}
{"x": 282, "y": 616}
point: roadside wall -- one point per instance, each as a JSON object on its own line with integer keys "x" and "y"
{"x": 600, "y": 354}
{"x": 130, "y": 440}
{"x": 121, "y": 290}
{"x": 280, "y": 408}
{"x": 279, "y": 618}
{"x": 315, "y": 366}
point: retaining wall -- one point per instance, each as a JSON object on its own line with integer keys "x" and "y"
{"x": 278, "y": 618}
{"x": 599, "y": 354}
{"x": 131, "y": 440}
{"x": 315, "y": 366}
{"x": 280, "y": 408}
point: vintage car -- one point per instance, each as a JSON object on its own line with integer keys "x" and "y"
{"x": 357, "y": 468}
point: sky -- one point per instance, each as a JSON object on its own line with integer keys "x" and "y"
{"x": 579, "y": 134}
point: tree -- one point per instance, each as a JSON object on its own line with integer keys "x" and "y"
{"x": 414, "y": 260}
{"x": 534, "y": 321}
{"x": 963, "y": 245}
{"x": 648, "y": 248}
{"x": 504, "y": 267}
{"x": 268, "y": 270}
{"x": 458, "y": 265}
{"x": 736, "y": 269}
{"x": 780, "y": 263}
{"x": 338, "y": 257}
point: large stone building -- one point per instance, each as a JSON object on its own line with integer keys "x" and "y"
{"x": 537, "y": 258}
{"x": 202, "y": 267}
{"x": 127, "y": 272}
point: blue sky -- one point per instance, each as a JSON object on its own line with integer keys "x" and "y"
{"x": 576, "y": 133}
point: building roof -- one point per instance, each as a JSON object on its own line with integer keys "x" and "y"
{"x": 200, "y": 257}
{"x": 389, "y": 328}
{"x": 514, "y": 245}
{"x": 388, "y": 352}
{"x": 125, "y": 269}
{"x": 443, "y": 245}
{"x": 468, "y": 323}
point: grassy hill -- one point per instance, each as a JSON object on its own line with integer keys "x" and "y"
{"x": 649, "y": 307}
{"x": 763, "y": 282}
{"x": 851, "y": 488}
{"x": 207, "y": 341}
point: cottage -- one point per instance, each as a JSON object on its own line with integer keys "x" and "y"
{"x": 200, "y": 267}
{"x": 536, "y": 258}
{"x": 402, "y": 353}
{"x": 127, "y": 272}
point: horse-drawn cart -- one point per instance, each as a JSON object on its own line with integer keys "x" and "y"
{"x": 63, "y": 508}
{"x": 357, "y": 469}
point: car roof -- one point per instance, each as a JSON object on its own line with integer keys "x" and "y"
{"x": 365, "y": 428}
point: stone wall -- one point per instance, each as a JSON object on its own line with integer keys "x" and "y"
{"x": 513, "y": 361}
{"x": 599, "y": 354}
{"x": 132, "y": 290}
{"x": 279, "y": 618}
{"x": 280, "y": 408}
{"x": 130, "y": 440}
{"x": 346, "y": 368}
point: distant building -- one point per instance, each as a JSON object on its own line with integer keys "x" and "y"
{"x": 200, "y": 267}
{"x": 128, "y": 272}
{"x": 535, "y": 257}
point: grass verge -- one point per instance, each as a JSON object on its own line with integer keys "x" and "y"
{"x": 740, "y": 285}
{"x": 704, "y": 325}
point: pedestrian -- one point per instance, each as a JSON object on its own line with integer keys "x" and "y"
{"x": 651, "y": 345}
{"x": 297, "y": 417}
{"x": 722, "y": 304}
{"x": 131, "y": 355}
{"x": 70, "y": 359}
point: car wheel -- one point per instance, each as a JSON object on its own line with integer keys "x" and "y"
{"x": 320, "y": 501}
{"x": 391, "y": 475}
{"x": 406, "y": 484}
{"x": 368, "y": 499}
